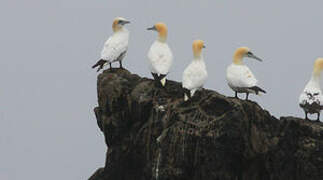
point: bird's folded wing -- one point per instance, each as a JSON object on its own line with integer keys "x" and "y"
{"x": 113, "y": 49}
{"x": 310, "y": 97}
{"x": 245, "y": 78}
{"x": 303, "y": 99}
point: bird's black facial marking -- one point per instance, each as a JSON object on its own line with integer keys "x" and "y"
{"x": 121, "y": 22}
{"x": 249, "y": 53}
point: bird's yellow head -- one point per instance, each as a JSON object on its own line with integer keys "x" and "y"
{"x": 242, "y": 52}
{"x": 198, "y": 45}
{"x": 118, "y": 23}
{"x": 318, "y": 66}
{"x": 161, "y": 28}
{"x": 239, "y": 54}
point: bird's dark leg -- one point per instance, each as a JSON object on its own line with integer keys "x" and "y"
{"x": 236, "y": 94}
{"x": 120, "y": 62}
{"x": 318, "y": 117}
{"x": 306, "y": 118}
{"x": 247, "y": 95}
{"x": 110, "y": 65}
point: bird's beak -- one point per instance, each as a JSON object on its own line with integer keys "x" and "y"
{"x": 152, "y": 28}
{"x": 125, "y": 22}
{"x": 251, "y": 55}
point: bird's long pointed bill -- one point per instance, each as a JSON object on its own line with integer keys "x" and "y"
{"x": 126, "y": 22}
{"x": 255, "y": 57}
{"x": 151, "y": 28}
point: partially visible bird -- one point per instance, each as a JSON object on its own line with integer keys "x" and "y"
{"x": 160, "y": 55}
{"x": 311, "y": 99}
{"x": 239, "y": 77}
{"x": 195, "y": 74}
{"x": 115, "y": 48}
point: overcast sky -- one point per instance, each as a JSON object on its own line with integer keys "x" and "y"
{"x": 48, "y": 91}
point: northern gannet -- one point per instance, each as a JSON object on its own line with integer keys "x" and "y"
{"x": 311, "y": 99}
{"x": 160, "y": 56}
{"x": 239, "y": 77}
{"x": 116, "y": 46}
{"x": 195, "y": 74}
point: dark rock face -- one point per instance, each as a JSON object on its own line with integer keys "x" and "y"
{"x": 152, "y": 134}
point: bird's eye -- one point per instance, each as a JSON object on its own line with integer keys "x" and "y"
{"x": 120, "y": 22}
{"x": 249, "y": 53}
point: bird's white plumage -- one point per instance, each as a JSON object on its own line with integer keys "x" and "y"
{"x": 195, "y": 75}
{"x": 116, "y": 46}
{"x": 311, "y": 97}
{"x": 240, "y": 78}
{"x": 160, "y": 58}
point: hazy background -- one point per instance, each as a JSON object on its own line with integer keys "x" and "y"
{"x": 48, "y": 90}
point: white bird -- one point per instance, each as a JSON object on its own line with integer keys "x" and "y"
{"x": 239, "y": 77}
{"x": 195, "y": 74}
{"x": 311, "y": 99}
{"x": 116, "y": 46}
{"x": 160, "y": 55}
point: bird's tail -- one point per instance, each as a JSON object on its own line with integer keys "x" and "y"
{"x": 160, "y": 78}
{"x": 95, "y": 65}
{"x": 99, "y": 64}
{"x": 257, "y": 89}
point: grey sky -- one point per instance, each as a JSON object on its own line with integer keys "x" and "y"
{"x": 47, "y": 92}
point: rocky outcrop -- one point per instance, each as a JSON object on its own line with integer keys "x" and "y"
{"x": 152, "y": 134}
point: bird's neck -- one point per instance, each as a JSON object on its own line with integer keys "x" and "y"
{"x": 119, "y": 29}
{"x": 198, "y": 57}
{"x": 197, "y": 52}
{"x": 237, "y": 59}
{"x": 162, "y": 39}
{"x": 315, "y": 79}
{"x": 162, "y": 36}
